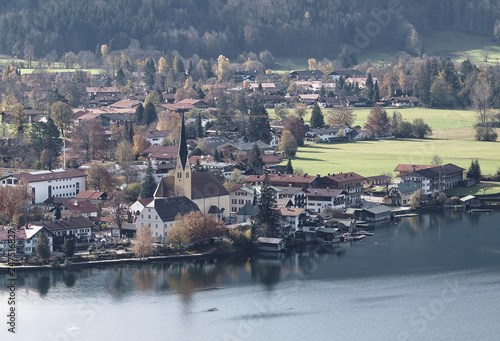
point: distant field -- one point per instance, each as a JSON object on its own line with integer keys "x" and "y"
{"x": 375, "y": 157}
{"x": 93, "y": 71}
{"x": 285, "y": 64}
{"x": 459, "y": 46}
{"x": 436, "y": 118}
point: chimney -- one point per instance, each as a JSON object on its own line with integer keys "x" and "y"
{"x": 328, "y": 189}
{"x": 75, "y": 203}
{"x": 318, "y": 175}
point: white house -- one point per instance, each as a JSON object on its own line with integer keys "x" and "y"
{"x": 79, "y": 228}
{"x": 59, "y": 183}
{"x": 160, "y": 215}
{"x": 319, "y": 198}
{"x": 25, "y": 240}
{"x": 330, "y": 134}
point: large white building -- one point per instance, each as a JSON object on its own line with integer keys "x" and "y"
{"x": 160, "y": 215}
{"x": 59, "y": 183}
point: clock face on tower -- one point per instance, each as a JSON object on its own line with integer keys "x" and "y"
{"x": 179, "y": 166}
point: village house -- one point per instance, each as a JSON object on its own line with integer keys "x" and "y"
{"x": 330, "y": 134}
{"x": 401, "y": 194}
{"x": 436, "y": 178}
{"x": 307, "y": 75}
{"x": 136, "y": 208}
{"x": 297, "y": 195}
{"x": 319, "y": 198}
{"x": 374, "y": 214}
{"x": 81, "y": 208}
{"x": 60, "y": 183}
{"x": 357, "y": 101}
{"x": 79, "y": 228}
{"x": 25, "y": 240}
{"x": 156, "y": 137}
{"x": 160, "y": 215}
{"x": 239, "y": 195}
{"x": 406, "y": 101}
{"x": 346, "y": 73}
{"x": 285, "y": 180}
{"x": 404, "y": 168}
{"x": 351, "y": 183}
{"x": 247, "y": 213}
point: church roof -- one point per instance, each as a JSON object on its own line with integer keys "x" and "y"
{"x": 169, "y": 208}
{"x": 203, "y": 185}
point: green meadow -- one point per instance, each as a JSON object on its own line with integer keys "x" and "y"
{"x": 370, "y": 158}
{"x": 435, "y": 118}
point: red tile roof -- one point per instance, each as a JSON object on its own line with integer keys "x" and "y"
{"x": 81, "y": 206}
{"x": 406, "y": 168}
{"x": 346, "y": 177}
{"x": 89, "y": 195}
{"x": 291, "y": 211}
{"x": 282, "y": 179}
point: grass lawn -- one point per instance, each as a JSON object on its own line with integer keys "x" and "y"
{"x": 370, "y": 158}
{"x": 285, "y": 64}
{"x": 474, "y": 190}
{"x": 93, "y": 71}
{"x": 435, "y": 118}
{"x": 459, "y": 46}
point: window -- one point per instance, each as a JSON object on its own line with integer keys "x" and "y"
{"x": 149, "y": 216}
{"x": 156, "y": 217}
{"x": 234, "y": 201}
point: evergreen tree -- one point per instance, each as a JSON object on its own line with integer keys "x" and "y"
{"x": 120, "y": 77}
{"x": 369, "y": 86}
{"x": 474, "y": 171}
{"x": 149, "y": 114}
{"x": 197, "y": 168}
{"x": 289, "y": 167}
{"x": 376, "y": 93}
{"x": 149, "y": 73}
{"x": 259, "y": 127}
{"x": 317, "y": 119}
{"x": 42, "y": 247}
{"x": 149, "y": 183}
{"x": 139, "y": 113}
{"x": 131, "y": 133}
{"x": 69, "y": 247}
{"x": 268, "y": 215}
{"x": 255, "y": 159}
{"x": 199, "y": 127}
{"x": 217, "y": 157}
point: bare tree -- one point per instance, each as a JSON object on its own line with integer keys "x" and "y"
{"x": 118, "y": 209}
{"x": 436, "y": 160}
{"x": 485, "y": 53}
{"x": 143, "y": 245}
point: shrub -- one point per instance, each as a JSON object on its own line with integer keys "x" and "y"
{"x": 224, "y": 247}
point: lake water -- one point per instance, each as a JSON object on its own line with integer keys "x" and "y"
{"x": 431, "y": 277}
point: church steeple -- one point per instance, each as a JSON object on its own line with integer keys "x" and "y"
{"x": 183, "y": 151}
{"x": 183, "y": 169}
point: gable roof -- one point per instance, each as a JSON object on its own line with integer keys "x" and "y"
{"x": 408, "y": 187}
{"x": 378, "y": 209}
{"x": 80, "y": 206}
{"x": 345, "y": 72}
{"x": 406, "y": 168}
{"x": 346, "y": 177}
{"x": 290, "y": 211}
{"x": 248, "y": 209}
{"x": 324, "y": 192}
{"x": 90, "y": 195}
{"x": 65, "y": 224}
{"x": 168, "y": 208}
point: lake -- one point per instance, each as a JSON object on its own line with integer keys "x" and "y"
{"x": 431, "y": 277}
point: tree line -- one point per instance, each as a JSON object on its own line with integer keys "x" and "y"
{"x": 35, "y": 28}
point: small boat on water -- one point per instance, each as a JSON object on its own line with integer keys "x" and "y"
{"x": 352, "y": 236}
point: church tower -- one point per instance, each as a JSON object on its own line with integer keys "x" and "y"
{"x": 183, "y": 169}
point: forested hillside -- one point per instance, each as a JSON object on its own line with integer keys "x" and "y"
{"x": 35, "y": 28}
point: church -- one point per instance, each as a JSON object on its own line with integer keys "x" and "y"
{"x": 203, "y": 188}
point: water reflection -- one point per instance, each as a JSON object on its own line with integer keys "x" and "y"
{"x": 447, "y": 240}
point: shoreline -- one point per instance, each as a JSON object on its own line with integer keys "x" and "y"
{"x": 122, "y": 261}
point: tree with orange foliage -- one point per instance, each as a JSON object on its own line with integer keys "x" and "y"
{"x": 197, "y": 227}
